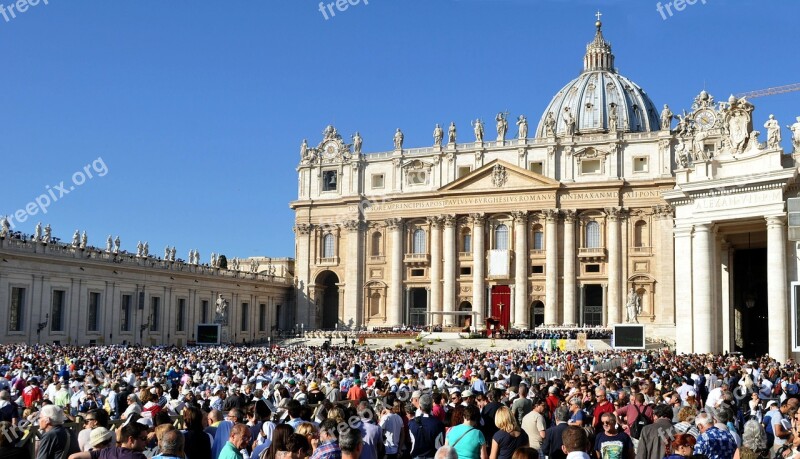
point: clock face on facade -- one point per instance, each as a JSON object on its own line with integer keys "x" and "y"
{"x": 705, "y": 119}
{"x": 330, "y": 150}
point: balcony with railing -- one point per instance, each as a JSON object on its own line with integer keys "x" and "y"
{"x": 592, "y": 253}
{"x": 377, "y": 259}
{"x": 537, "y": 253}
{"x": 328, "y": 261}
{"x": 465, "y": 255}
{"x": 641, "y": 251}
{"x": 417, "y": 258}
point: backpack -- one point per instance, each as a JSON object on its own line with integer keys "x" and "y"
{"x": 638, "y": 424}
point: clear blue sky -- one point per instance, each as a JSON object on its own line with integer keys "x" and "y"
{"x": 198, "y": 108}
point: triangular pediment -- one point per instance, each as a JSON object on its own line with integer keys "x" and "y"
{"x": 499, "y": 175}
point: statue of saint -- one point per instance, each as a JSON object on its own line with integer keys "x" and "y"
{"x": 166, "y": 253}
{"x": 84, "y": 240}
{"x": 109, "y": 244}
{"x": 303, "y": 149}
{"x": 398, "y": 139}
{"x": 213, "y": 260}
{"x": 522, "y": 125}
{"x": 357, "y": 141}
{"x": 612, "y": 117}
{"x": 569, "y": 122}
{"x": 5, "y": 228}
{"x": 451, "y": 133}
{"x": 773, "y": 132}
{"x": 502, "y": 126}
{"x": 438, "y": 135}
{"x": 172, "y": 254}
{"x": 633, "y": 306}
{"x": 47, "y": 234}
{"x": 146, "y": 249}
{"x": 477, "y": 126}
{"x": 139, "y": 249}
{"x": 795, "y": 128}
{"x": 222, "y": 310}
{"x": 76, "y": 238}
{"x": 37, "y": 232}
{"x": 549, "y": 125}
{"x": 116, "y": 244}
{"x": 666, "y": 118}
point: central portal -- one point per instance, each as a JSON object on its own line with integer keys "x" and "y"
{"x": 750, "y": 318}
{"x": 501, "y": 305}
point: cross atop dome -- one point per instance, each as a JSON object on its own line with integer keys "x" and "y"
{"x": 598, "y": 15}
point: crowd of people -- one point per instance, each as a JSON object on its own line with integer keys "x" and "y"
{"x": 119, "y": 402}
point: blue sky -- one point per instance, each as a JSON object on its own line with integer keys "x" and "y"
{"x": 198, "y": 108}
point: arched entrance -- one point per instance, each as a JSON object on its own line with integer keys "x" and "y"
{"x": 501, "y": 305}
{"x": 536, "y": 314}
{"x": 465, "y": 321}
{"x": 328, "y": 292}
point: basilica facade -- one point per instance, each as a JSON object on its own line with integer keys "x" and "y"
{"x": 608, "y": 212}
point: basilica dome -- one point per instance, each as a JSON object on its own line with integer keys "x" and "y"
{"x": 599, "y": 98}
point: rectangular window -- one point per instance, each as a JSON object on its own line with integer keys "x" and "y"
{"x": 536, "y": 166}
{"x": 329, "y": 181}
{"x": 57, "y": 310}
{"x": 538, "y": 240}
{"x": 155, "y": 310}
{"x": 262, "y": 317}
{"x": 17, "y": 310}
{"x": 537, "y": 269}
{"x": 377, "y": 180}
{"x": 417, "y": 272}
{"x": 640, "y": 164}
{"x": 204, "y": 312}
{"x": 180, "y": 324}
{"x": 592, "y": 268}
{"x": 590, "y": 167}
{"x": 125, "y": 319}
{"x": 93, "y": 320}
{"x": 463, "y": 170}
{"x": 245, "y": 315}
{"x": 466, "y": 271}
{"x": 417, "y": 177}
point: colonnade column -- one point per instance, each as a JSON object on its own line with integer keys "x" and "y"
{"x": 569, "y": 267}
{"x": 304, "y": 292}
{"x": 551, "y": 266}
{"x": 614, "y": 266}
{"x": 683, "y": 290}
{"x": 702, "y": 262}
{"x": 450, "y": 257}
{"x": 353, "y": 310}
{"x": 520, "y": 269}
{"x": 478, "y": 267}
{"x": 777, "y": 288}
{"x": 436, "y": 269}
{"x": 394, "y": 315}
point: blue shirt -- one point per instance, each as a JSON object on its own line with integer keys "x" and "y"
{"x": 716, "y": 444}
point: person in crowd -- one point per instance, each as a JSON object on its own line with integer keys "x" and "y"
{"x": 8, "y": 443}
{"x": 56, "y": 441}
{"x": 350, "y": 443}
{"x": 552, "y": 445}
{"x": 328, "y": 447}
{"x": 131, "y": 442}
{"x": 651, "y": 444}
{"x": 682, "y": 446}
{"x": 311, "y": 432}
{"x": 713, "y": 442}
{"x": 610, "y": 442}
{"x": 427, "y": 432}
{"x": 197, "y": 444}
{"x": 466, "y": 439}
{"x": 508, "y": 437}
{"x": 535, "y": 424}
{"x": 575, "y": 443}
{"x": 239, "y": 439}
{"x": 754, "y": 442}
{"x": 171, "y": 445}
{"x": 100, "y": 438}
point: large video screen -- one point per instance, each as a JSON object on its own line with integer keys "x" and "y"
{"x": 208, "y": 334}
{"x": 628, "y": 337}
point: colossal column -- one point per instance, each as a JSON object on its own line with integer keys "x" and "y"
{"x": 776, "y": 288}
{"x": 702, "y": 262}
{"x": 478, "y": 267}
{"x": 520, "y": 269}
{"x": 435, "y": 297}
{"x": 683, "y": 290}
{"x": 614, "y": 266}
{"x": 551, "y": 266}
{"x": 450, "y": 257}
{"x": 394, "y": 315}
{"x": 353, "y": 293}
{"x": 569, "y": 267}
{"x": 304, "y": 284}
